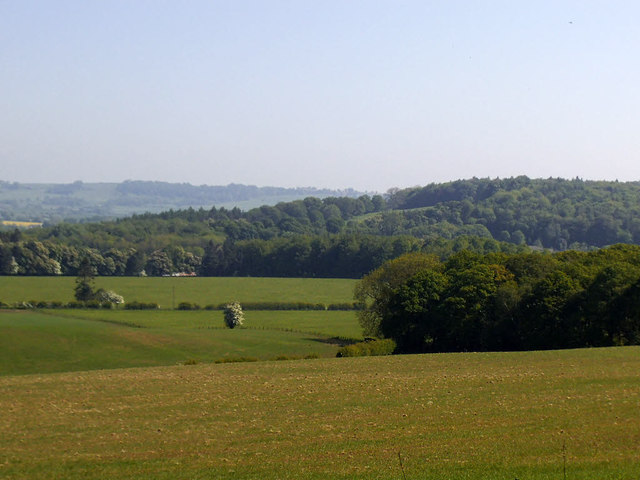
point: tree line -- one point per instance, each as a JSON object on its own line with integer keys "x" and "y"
{"x": 499, "y": 301}
{"x": 331, "y": 256}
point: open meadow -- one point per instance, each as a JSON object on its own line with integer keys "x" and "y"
{"x": 170, "y": 291}
{"x": 38, "y": 341}
{"x": 447, "y": 416}
{"x": 57, "y": 340}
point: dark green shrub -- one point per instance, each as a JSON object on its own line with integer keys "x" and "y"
{"x": 296, "y": 357}
{"x": 368, "y": 348}
{"x": 236, "y": 359}
{"x": 279, "y": 306}
{"x": 141, "y": 306}
{"x": 188, "y": 306}
{"x": 345, "y": 306}
{"x": 286, "y": 357}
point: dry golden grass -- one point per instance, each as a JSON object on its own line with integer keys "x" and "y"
{"x": 450, "y": 416}
{"x": 13, "y": 223}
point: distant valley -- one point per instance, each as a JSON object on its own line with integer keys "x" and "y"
{"x": 51, "y": 203}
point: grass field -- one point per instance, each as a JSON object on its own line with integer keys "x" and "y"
{"x": 170, "y": 291}
{"x": 68, "y": 408}
{"x": 38, "y": 341}
{"x": 451, "y": 416}
{"x": 315, "y": 322}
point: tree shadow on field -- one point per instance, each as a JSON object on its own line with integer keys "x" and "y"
{"x": 339, "y": 341}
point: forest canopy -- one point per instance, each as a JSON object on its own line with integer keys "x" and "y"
{"x": 524, "y": 301}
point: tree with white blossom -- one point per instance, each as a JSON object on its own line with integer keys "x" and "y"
{"x": 109, "y": 296}
{"x": 233, "y": 315}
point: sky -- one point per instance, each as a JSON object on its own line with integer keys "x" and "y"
{"x": 357, "y": 94}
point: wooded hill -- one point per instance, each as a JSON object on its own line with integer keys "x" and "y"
{"x": 340, "y": 236}
{"x": 79, "y": 201}
{"x": 553, "y": 213}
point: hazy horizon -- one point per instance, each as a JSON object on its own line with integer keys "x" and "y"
{"x": 311, "y": 187}
{"x": 363, "y": 95}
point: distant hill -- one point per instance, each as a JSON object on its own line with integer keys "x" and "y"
{"x": 549, "y": 213}
{"x": 79, "y": 201}
{"x": 336, "y": 236}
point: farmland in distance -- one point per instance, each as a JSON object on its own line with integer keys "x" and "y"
{"x": 167, "y": 291}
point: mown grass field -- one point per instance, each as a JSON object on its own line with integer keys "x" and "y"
{"x": 170, "y": 291}
{"x": 39, "y": 341}
{"x": 451, "y": 416}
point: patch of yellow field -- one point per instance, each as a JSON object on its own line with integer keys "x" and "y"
{"x": 13, "y": 223}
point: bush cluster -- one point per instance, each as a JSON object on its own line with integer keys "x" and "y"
{"x": 289, "y": 306}
{"x": 94, "y": 304}
{"x": 309, "y": 356}
{"x": 236, "y": 359}
{"x": 188, "y": 306}
{"x": 368, "y": 348}
{"x": 141, "y": 306}
{"x": 282, "y": 306}
{"x": 135, "y": 305}
{"x": 346, "y": 306}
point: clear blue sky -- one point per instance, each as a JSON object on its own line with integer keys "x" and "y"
{"x": 364, "y": 94}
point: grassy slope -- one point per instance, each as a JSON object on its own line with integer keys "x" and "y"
{"x": 454, "y": 416}
{"x": 57, "y": 341}
{"x": 321, "y": 323}
{"x": 204, "y": 290}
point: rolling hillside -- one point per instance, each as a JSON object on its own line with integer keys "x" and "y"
{"x": 338, "y": 236}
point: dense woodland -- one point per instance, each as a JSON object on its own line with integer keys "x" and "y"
{"x": 523, "y": 301}
{"x": 338, "y": 236}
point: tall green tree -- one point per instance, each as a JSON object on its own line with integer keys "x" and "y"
{"x": 414, "y": 318}
{"x": 84, "y": 290}
{"x": 374, "y": 291}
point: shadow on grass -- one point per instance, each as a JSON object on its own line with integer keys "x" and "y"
{"x": 339, "y": 341}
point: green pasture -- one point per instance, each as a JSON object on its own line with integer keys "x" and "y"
{"x": 64, "y": 340}
{"x": 170, "y": 291}
{"x": 490, "y": 416}
{"x": 323, "y": 323}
